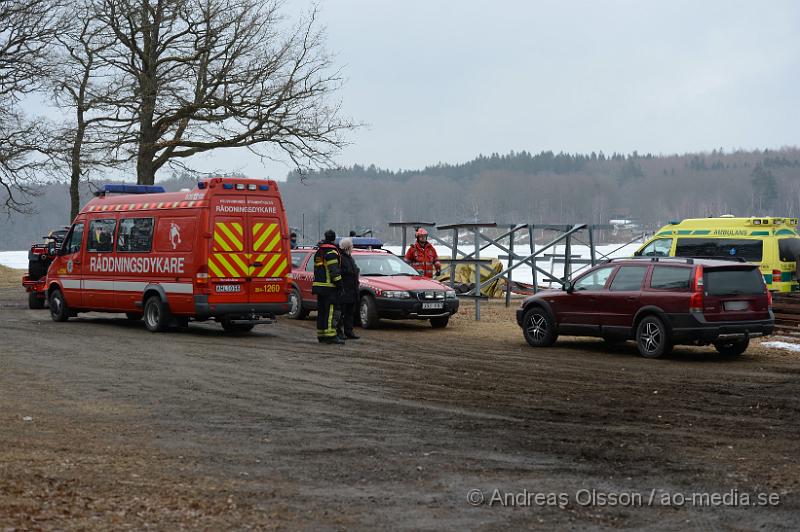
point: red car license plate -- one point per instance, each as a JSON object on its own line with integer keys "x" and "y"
{"x": 735, "y": 305}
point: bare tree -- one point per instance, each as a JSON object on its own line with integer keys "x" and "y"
{"x": 210, "y": 74}
{"x": 82, "y": 83}
{"x": 26, "y": 27}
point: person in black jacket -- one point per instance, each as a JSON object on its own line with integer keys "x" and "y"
{"x": 327, "y": 287}
{"x": 349, "y": 293}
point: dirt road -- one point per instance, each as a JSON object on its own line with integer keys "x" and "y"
{"x": 104, "y": 425}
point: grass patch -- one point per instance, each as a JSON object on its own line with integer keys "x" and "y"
{"x": 9, "y": 277}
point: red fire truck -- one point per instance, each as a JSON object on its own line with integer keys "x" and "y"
{"x": 219, "y": 251}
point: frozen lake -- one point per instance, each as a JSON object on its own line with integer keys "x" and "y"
{"x": 19, "y": 259}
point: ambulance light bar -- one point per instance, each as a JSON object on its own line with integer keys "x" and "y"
{"x": 133, "y": 189}
{"x": 773, "y": 221}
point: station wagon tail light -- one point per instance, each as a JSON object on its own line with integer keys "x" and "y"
{"x": 696, "y": 300}
{"x": 776, "y": 276}
{"x": 769, "y": 300}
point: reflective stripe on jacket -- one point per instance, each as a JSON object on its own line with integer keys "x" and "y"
{"x": 327, "y": 268}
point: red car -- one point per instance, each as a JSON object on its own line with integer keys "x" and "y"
{"x": 658, "y": 302}
{"x": 389, "y": 288}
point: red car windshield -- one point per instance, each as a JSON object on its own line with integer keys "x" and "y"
{"x": 382, "y": 264}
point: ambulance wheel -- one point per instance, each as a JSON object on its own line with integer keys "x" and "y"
{"x": 156, "y": 315}
{"x": 35, "y": 301}
{"x": 440, "y": 323}
{"x": 133, "y": 316}
{"x": 59, "y": 310}
{"x": 236, "y": 327}
{"x": 368, "y": 312}
{"x": 296, "y": 310}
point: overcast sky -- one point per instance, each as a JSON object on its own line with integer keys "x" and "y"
{"x": 445, "y": 81}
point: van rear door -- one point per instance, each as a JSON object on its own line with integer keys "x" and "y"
{"x": 228, "y": 260}
{"x": 269, "y": 259}
{"x": 734, "y": 294}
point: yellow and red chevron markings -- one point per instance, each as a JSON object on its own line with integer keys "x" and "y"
{"x": 248, "y": 265}
{"x": 266, "y": 237}
{"x": 228, "y": 236}
{"x": 227, "y": 259}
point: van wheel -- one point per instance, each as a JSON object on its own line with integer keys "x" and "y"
{"x": 35, "y": 301}
{"x": 440, "y": 323}
{"x": 368, "y": 312}
{"x": 229, "y": 327}
{"x": 156, "y": 314}
{"x": 296, "y": 310}
{"x": 539, "y": 328}
{"x": 652, "y": 338}
{"x": 732, "y": 349}
{"x": 59, "y": 310}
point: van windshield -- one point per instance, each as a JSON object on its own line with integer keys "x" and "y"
{"x": 729, "y": 282}
{"x": 789, "y": 249}
{"x": 720, "y": 248}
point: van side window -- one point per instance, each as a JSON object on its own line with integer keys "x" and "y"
{"x": 135, "y": 235}
{"x": 720, "y": 248}
{"x": 670, "y": 278}
{"x": 73, "y": 242}
{"x": 658, "y": 248}
{"x": 101, "y": 235}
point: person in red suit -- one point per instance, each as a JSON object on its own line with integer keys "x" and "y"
{"x": 422, "y": 255}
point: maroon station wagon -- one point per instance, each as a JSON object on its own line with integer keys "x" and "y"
{"x": 659, "y": 302}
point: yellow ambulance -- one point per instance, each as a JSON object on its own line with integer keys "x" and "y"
{"x": 772, "y": 243}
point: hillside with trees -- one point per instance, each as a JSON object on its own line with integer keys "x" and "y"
{"x": 511, "y": 188}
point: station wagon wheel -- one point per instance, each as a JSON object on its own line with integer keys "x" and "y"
{"x": 296, "y": 310}
{"x": 732, "y": 348}
{"x": 368, "y": 312}
{"x": 539, "y": 328}
{"x": 652, "y": 338}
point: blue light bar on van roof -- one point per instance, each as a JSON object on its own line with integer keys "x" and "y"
{"x": 228, "y": 186}
{"x": 133, "y": 189}
{"x": 263, "y": 187}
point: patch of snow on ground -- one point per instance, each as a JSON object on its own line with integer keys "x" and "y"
{"x": 14, "y": 259}
{"x": 782, "y": 345}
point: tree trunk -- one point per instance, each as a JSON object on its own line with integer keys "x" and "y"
{"x": 75, "y": 165}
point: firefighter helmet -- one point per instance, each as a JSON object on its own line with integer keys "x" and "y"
{"x": 421, "y": 232}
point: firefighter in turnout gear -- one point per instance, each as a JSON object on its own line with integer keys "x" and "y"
{"x": 327, "y": 285}
{"x": 422, "y": 255}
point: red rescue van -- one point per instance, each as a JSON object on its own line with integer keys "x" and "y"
{"x": 219, "y": 251}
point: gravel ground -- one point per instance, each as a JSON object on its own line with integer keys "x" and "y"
{"x": 105, "y": 425}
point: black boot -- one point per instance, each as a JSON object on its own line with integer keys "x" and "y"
{"x": 352, "y": 336}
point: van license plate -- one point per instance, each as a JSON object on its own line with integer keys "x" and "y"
{"x": 431, "y": 306}
{"x": 229, "y": 288}
{"x": 735, "y": 305}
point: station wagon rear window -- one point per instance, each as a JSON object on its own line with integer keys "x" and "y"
{"x": 720, "y": 248}
{"x": 734, "y": 282}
